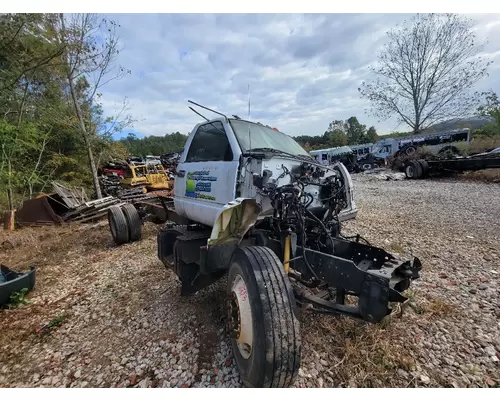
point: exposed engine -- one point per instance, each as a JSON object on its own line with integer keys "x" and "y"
{"x": 307, "y": 207}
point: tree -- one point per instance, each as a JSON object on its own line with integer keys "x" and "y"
{"x": 490, "y": 108}
{"x": 371, "y": 135}
{"x": 26, "y": 57}
{"x": 337, "y": 125}
{"x": 337, "y": 139}
{"x": 24, "y": 50}
{"x": 154, "y": 145}
{"x": 41, "y": 138}
{"x": 88, "y": 56}
{"x": 425, "y": 73}
{"x": 336, "y": 133}
{"x": 355, "y": 131}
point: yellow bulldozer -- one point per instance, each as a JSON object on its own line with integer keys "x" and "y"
{"x": 150, "y": 177}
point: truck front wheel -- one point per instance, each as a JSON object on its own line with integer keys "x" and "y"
{"x": 262, "y": 319}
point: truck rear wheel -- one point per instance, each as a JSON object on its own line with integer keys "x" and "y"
{"x": 413, "y": 170}
{"x": 262, "y": 318}
{"x": 425, "y": 168}
{"x": 118, "y": 225}
{"x": 133, "y": 221}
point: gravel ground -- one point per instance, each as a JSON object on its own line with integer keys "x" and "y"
{"x": 122, "y": 322}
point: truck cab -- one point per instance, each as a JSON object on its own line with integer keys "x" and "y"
{"x": 224, "y": 156}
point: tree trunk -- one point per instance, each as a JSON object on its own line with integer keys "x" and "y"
{"x": 10, "y": 195}
{"x": 86, "y": 139}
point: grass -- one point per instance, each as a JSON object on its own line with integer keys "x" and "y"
{"x": 375, "y": 355}
{"x": 440, "y": 308}
{"x": 397, "y": 248}
{"x": 431, "y": 307}
{"x": 363, "y": 355}
{"x": 481, "y": 144}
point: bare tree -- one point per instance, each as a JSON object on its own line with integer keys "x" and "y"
{"x": 91, "y": 47}
{"x": 425, "y": 73}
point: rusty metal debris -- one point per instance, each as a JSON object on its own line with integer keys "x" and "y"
{"x": 72, "y": 205}
{"x": 42, "y": 210}
{"x": 64, "y": 205}
{"x": 73, "y": 197}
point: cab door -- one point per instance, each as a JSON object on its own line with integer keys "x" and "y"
{"x": 207, "y": 174}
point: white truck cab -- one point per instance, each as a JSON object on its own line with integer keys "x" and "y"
{"x": 216, "y": 168}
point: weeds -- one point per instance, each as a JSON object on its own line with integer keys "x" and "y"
{"x": 44, "y": 329}
{"x": 397, "y": 248}
{"x": 440, "y": 308}
{"x": 18, "y": 299}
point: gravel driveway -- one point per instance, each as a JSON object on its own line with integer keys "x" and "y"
{"x": 120, "y": 321}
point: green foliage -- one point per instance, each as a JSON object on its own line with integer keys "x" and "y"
{"x": 371, "y": 135}
{"x": 40, "y": 137}
{"x": 490, "y": 108}
{"x": 312, "y": 142}
{"x": 340, "y": 133}
{"x": 154, "y": 145}
{"x": 356, "y": 132}
{"x": 18, "y": 299}
{"x": 337, "y": 138}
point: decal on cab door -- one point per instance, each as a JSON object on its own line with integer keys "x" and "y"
{"x": 198, "y": 183}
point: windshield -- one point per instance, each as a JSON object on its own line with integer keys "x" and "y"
{"x": 264, "y": 137}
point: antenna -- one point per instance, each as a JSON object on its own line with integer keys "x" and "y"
{"x": 196, "y": 112}
{"x": 249, "y": 137}
{"x": 206, "y": 108}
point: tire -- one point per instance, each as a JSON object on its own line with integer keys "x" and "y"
{"x": 133, "y": 221}
{"x": 425, "y": 167}
{"x": 118, "y": 225}
{"x": 410, "y": 150}
{"x": 262, "y": 302}
{"x": 452, "y": 149}
{"x": 413, "y": 170}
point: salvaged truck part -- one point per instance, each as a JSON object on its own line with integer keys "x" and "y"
{"x": 421, "y": 169}
{"x": 249, "y": 202}
{"x": 125, "y": 223}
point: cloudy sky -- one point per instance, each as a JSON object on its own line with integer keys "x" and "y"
{"x": 303, "y": 70}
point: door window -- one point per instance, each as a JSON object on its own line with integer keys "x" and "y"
{"x": 210, "y": 143}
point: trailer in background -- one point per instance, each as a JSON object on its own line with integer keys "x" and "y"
{"x": 394, "y": 148}
{"x": 420, "y": 169}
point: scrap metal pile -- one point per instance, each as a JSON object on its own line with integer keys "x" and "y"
{"x": 63, "y": 205}
{"x": 137, "y": 183}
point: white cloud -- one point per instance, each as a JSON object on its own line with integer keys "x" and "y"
{"x": 303, "y": 70}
